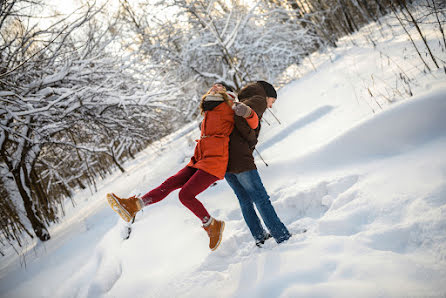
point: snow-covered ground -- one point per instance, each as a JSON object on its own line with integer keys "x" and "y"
{"x": 365, "y": 177}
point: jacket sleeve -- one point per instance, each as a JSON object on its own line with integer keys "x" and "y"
{"x": 258, "y": 105}
{"x": 253, "y": 120}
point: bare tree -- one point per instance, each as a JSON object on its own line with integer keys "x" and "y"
{"x": 211, "y": 41}
{"x": 69, "y": 111}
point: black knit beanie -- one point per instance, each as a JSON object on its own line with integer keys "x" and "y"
{"x": 228, "y": 88}
{"x": 269, "y": 89}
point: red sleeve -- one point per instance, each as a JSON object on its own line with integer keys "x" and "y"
{"x": 253, "y": 120}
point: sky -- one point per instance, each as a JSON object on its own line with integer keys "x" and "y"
{"x": 66, "y": 7}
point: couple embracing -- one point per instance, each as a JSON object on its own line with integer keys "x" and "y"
{"x": 229, "y": 133}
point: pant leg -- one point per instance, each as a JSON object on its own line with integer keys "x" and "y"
{"x": 199, "y": 181}
{"x": 252, "y": 183}
{"x": 247, "y": 207}
{"x": 172, "y": 183}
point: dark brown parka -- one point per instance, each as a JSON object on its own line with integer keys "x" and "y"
{"x": 243, "y": 139}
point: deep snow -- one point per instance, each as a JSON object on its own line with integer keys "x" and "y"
{"x": 369, "y": 185}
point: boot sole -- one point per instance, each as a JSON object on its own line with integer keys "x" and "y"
{"x": 114, "y": 204}
{"x": 221, "y": 236}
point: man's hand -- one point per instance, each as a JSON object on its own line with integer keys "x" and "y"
{"x": 242, "y": 110}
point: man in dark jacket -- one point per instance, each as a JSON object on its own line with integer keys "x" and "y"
{"x": 242, "y": 174}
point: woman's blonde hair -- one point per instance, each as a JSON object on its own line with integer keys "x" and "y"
{"x": 225, "y": 98}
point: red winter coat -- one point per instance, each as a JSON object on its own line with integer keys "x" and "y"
{"x": 211, "y": 151}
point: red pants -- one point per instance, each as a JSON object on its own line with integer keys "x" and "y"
{"x": 192, "y": 182}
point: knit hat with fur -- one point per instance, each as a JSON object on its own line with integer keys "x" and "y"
{"x": 269, "y": 89}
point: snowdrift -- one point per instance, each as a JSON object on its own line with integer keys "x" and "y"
{"x": 370, "y": 222}
{"x": 403, "y": 127}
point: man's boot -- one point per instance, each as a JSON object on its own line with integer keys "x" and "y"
{"x": 126, "y": 208}
{"x": 260, "y": 243}
{"x": 214, "y": 228}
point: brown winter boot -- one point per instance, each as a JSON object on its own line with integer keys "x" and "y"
{"x": 126, "y": 208}
{"x": 215, "y": 231}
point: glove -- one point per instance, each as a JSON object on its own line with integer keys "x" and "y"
{"x": 242, "y": 110}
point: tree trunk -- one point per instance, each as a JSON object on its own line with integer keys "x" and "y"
{"x": 42, "y": 196}
{"x": 420, "y": 33}
{"x": 392, "y": 7}
{"x": 129, "y": 151}
{"x": 348, "y": 19}
{"x": 115, "y": 160}
{"x": 381, "y": 7}
{"x": 31, "y": 211}
{"x": 81, "y": 185}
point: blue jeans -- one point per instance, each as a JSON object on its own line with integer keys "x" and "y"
{"x": 249, "y": 190}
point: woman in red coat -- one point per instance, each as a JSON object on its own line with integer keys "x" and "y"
{"x": 206, "y": 166}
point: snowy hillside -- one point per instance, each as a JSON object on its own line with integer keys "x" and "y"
{"x": 368, "y": 183}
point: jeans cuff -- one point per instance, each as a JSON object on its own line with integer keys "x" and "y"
{"x": 283, "y": 238}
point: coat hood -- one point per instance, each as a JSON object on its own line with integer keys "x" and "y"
{"x": 251, "y": 90}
